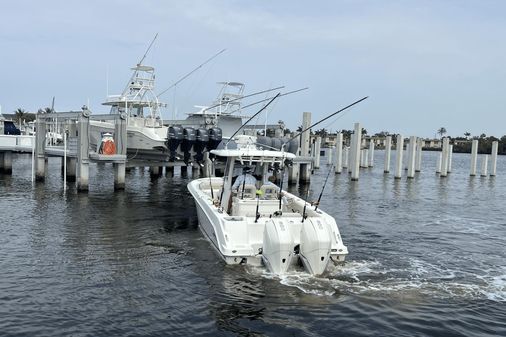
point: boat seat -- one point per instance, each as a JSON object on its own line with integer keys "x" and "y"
{"x": 249, "y": 192}
{"x": 269, "y": 192}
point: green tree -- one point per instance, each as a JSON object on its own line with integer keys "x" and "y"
{"x": 20, "y": 115}
{"x": 467, "y": 134}
{"x": 441, "y": 131}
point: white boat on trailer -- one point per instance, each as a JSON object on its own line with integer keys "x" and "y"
{"x": 262, "y": 224}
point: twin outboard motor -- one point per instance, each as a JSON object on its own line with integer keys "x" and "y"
{"x": 174, "y": 139}
{"x": 275, "y": 144}
{"x": 189, "y": 138}
{"x": 215, "y": 137}
{"x": 201, "y": 142}
{"x": 277, "y": 251}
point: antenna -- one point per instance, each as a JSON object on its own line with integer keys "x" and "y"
{"x": 191, "y": 72}
{"x": 147, "y": 50}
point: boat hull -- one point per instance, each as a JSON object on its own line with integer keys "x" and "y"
{"x": 139, "y": 140}
{"x": 239, "y": 239}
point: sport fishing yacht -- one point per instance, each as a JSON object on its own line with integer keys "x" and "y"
{"x": 151, "y": 137}
{"x": 260, "y": 224}
{"x": 138, "y": 101}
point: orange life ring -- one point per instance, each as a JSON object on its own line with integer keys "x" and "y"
{"x": 108, "y": 147}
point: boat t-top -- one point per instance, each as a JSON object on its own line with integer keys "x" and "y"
{"x": 250, "y": 220}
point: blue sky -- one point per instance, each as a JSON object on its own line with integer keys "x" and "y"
{"x": 424, "y": 64}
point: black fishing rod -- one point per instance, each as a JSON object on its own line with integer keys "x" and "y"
{"x": 191, "y": 72}
{"x": 211, "y": 183}
{"x": 281, "y": 183}
{"x": 242, "y": 97}
{"x": 257, "y": 214}
{"x": 305, "y": 204}
{"x": 321, "y": 193}
{"x": 259, "y": 111}
{"x": 223, "y": 186}
{"x": 324, "y": 119}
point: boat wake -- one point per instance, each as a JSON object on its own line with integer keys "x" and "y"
{"x": 419, "y": 280}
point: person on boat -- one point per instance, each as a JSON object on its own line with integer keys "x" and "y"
{"x": 246, "y": 178}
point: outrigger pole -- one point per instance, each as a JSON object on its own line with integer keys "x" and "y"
{"x": 259, "y": 111}
{"x": 147, "y": 50}
{"x": 242, "y": 97}
{"x": 191, "y": 72}
{"x": 266, "y": 99}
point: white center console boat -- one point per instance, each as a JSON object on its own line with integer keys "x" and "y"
{"x": 260, "y": 224}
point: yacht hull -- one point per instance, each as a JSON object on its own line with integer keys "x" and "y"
{"x": 139, "y": 140}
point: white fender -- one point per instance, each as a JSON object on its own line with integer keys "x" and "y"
{"x": 277, "y": 251}
{"x": 315, "y": 245}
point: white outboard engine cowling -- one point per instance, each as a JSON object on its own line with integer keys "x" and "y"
{"x": 277, "y": 251}
{"x": 315, "y": 246}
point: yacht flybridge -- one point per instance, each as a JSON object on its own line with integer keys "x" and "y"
{"x": 257, "y": 223}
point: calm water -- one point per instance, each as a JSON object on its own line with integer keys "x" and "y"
{"x": 427, "y": 258}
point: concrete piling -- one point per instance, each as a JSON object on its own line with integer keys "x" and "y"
{"x": 450, "y": 157}
{"x": 83, "y": 144}
{"x": 357, "y": 140}
{"x": 388, "y": 149}
{"x": 398, "y": 159}
{"x": 418, "y": 158}
{"x": 120, "y": 140}
{"x": 40, "y": 145}
{"x": 195, "y": 171}
{"x": 293, "y": 174}
{"x": 329, "y": 157}
{"x": 184, "y": 171}
{"x": 155, "y": 172}
{"x": 7, "y": 162}
{"x": 346, "y": 152}
{"x": 371, "y": 153}
{"x": 169, "y": 171}
{"x": 339, "y": 153}
{"x": 438, "y": 162}
{"x": 493, "y": 158}
{"x": 317, "y": 148}
{"x": 305, "y": 169}
{"x": 411, "y": 157}
{"x": 484, "y": 165}
{"x": 71, "y": 168}
{"x": 444, "y": 158}
{"x": 365, "y": 163}
{"x": 474, "y": 157}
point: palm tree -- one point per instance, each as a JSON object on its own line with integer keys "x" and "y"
{"x": 467, "y": 134}
{"x": 441, "y": 131}
{"x": 20, "y": 115}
